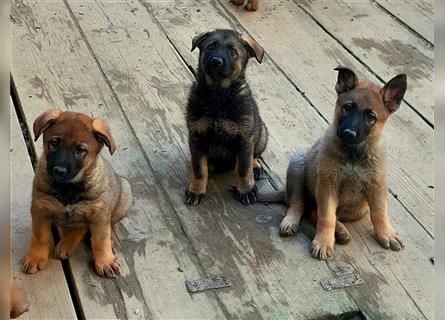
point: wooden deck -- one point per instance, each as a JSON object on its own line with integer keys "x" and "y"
{"x": 129, "y": 62}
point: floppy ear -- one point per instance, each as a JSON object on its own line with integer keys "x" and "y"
{"x": 346, "y": 80}
{"x": 44, "y": 121}
{"x": 198, "y": 39}
{"x": 255, "y": 50}
{"x": 103, "y": 134}
{"x": 393, "y": 92}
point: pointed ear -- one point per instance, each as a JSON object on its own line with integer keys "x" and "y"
{"x": 103, "y": 134}
{"x": 393, "y": 92}
{"x": 198, "y": 39}
{"x": 44, "y": 121}
{"x": 254, "y": 49}
{"x": 346, "y": 80}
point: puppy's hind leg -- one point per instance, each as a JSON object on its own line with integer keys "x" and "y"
{"x": 252, "y": 5}
{"x": 124, "y": 203}
{"x": 294, "y": 194}
{"x": 342, "y": 235}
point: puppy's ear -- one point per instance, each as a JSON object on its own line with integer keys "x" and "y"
{"x": 254, "y": 49}
{"x": 393, "y": 92}
{"x": 44, "y": 121}
{"x": 346, "y": 80}
{"x": 198, "y": 39}
{"x": 103, "y": 134}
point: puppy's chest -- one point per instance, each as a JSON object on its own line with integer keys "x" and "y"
{"x": 72, "y": 197}
{"x": 354, "y": 180}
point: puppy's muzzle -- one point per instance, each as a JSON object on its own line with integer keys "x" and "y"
{"x": 59, "y": 172}
{"x": 217, "y": 62}
{"x": 349, "y": 134}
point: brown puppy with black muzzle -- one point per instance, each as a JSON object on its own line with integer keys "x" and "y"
{"x": 251, "y": 5}
{"x": 76, "y": 189}
{"x": 223, "y": 120}
{"x": 343, "y": 176}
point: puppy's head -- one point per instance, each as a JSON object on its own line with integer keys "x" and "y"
{"x": 71, "y": 142}
{"x": 224, "y": 54}
{"x": 363, "y": 107}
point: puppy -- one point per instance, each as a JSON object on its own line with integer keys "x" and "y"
{"x": 224, "y": 124}
{"x": 343, "y": 176}
{"x": 252, "y": 5}
{"x": 76, "y": 189}
{"x": 18, "y": 304}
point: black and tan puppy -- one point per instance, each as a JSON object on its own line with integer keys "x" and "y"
{"x": 343, "y": 176}
{"x": 75, "y": 188}
{"x": 224, "y": 124}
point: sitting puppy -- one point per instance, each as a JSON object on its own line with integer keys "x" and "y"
{"x": 224, "y": 124}
{"x": 77, "y": 189}
{"x": 343, "y": 176}
{"x": 252, "y": 5}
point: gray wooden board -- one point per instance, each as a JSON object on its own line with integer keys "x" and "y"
{"x": 403, "y": 287}
{"x": 47, "y": 291}
{"x": 53, "y": 68}
{"x": 307, "y": 56}
{"x": 418, "y": 15}
{"x": 382, "y": 44}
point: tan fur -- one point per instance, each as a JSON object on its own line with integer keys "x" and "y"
{"x": 199, "y": 186}
{"x": 109, "y": 198}
{"x": 18, "y": 303}
{"x": 343, "y": 190}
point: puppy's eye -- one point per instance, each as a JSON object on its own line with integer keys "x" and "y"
{"x": 371, "y": 117}
{"x": 54, "y": 142}
{"x": 81, "y": 150}
{"x": 232, "y": 52}
{"x": 348, "y": 107}
{"x": 211, "y": 46}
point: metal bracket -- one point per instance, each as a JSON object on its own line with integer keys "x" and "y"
{"x": 207, "y": 284}
{"x": 341, "y": 282}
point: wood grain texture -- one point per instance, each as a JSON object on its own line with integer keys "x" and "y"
{"x": 47, "y": 291}
{"x": 307, "y": 58}
{"x": 53, "y": 68}
{"x": 385, "y": 46}
{"x": 418, "y": 15}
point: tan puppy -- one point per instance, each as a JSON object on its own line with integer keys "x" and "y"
{"x": 77, "y": 189}
{"x": 343, "y": 176}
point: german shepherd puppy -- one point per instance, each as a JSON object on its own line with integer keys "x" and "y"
{"x": 343, "y": 176}
{"x": 224, "y": 124}
{"x": 77, "y": 189}
{"x": 251, "y": 5}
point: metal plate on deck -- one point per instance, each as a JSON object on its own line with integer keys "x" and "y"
{"x": 207, "y": 284}
{"x": 341, "y": 282}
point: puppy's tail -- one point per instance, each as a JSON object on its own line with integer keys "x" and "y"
{"x": 274, "y": 196}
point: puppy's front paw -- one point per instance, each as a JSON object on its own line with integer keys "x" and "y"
{"x": 322, "y": 248}
{"x": 192, "y": 198}
{"x": 389, "y": 239}
{"x": 107, "y": 266}
{"x": 246, "y": 197}
{"x": 288, "y": 226}
{"x": 34, "y": 261}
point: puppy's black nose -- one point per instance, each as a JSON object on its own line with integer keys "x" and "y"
{"x": 350, "y": 133}
{"x": 216, "y": 61}
{"x": 59, "y": 171}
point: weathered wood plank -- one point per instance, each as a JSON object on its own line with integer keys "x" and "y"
{"x": 307, "y": 57}
{"x": 418, "y": 15}
{"x": 53, "y": 68}
{"x": 394, "y": 283}
{"x": 47, "y": 291}
{"x": 180, "y": 22}
{"x": 148, "y": 77}
{"x": 382, "y": 44}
